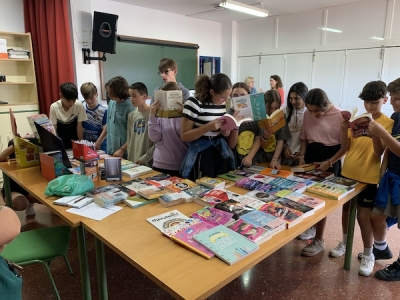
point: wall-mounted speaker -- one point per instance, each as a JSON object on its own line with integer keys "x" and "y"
{"x": 104, "y": 32}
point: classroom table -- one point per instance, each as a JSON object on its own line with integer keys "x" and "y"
{"x": 182, "y": 273}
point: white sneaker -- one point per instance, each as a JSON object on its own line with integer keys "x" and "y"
{"x": 312, "y": 249}
{"x": 338, "y": 251}
{"x": 30, "y": 211}
{"x": 308, "y": 234}
{"x": 367, "y": 265}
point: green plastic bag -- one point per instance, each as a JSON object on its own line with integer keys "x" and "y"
{"x": 69, "y": 185}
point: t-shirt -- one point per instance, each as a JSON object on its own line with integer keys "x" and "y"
{"x": 393, "y": 159}
{"x": 67, "y": 121}
{"x": 10, "y": 282}
{"x": 248, "y": 131}
{"x": 93, "y": 126}
{"x": 140, "y": 147}
{"x": 295, "y": 125}
{"x": 325, "y": 130}
{"x": 202, "y": 113}
{"x": 282, "y": 94}
{"x": 361, "y": 163}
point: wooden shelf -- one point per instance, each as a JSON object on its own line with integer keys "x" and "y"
{"x": 16, "y": 83}
{"x": 18, "y": 103}
{"x": 15, "y": 59}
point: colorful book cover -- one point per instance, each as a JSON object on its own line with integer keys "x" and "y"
{"x": 243, "y": 173}
{"x": 185, "y": 238}
{"x": 306, "y": 210}
{"x": 343, "y": 181}
{"x": 261, "y": 219}
{"x": 213, "y": 215}
{"x": 167, "y": 220}
{"x": 236, "y": 208}
{"x": 306, "y": 200}
{"x": 198, "y": 191}
{"x": 250, "y": 231}
{"x": 281, "y": 193}
{"x": 172, "y": 199}
{"x": 181, "y": 185}
{"x": 262, "y": 178}
{"x": 154, "y": 192}
{"x": 213, "y": 183}
{"x": 330, "y": 190}
{"x": 302, "y": 168}
{"x": 275, "y": 121}
{"x": 216, "y": 196}
{"x": 108, "y": 195}
{"x": 291, "y": 216}
{"x": 284, "y": 183}
{"x": 231, "y": 177}
{"x": 135, "y": 184}
{"x": 262, "y": 196}
{"x": 250, "y": 106}
{"x": 170, "y": 231}
{"x": 227, "y": 244}
{"x": 248, "y": 184}
{"x": 159, "y": 177}
{"x": 281, "y": 173}
{"x": 136, "y": 171}
{"x": 320, "y": 174}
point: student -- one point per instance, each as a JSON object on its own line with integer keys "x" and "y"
{"x": 167, "y": 69}
{"x": 320, "y": 144}
{"x": 140, "y": 147}
{"x": 10, "y": 280}
{"x": 249, "y": 135}
{"x": 119, "y": 108}
{"x": 94, "y": 128}
{"x": 210, "y": 151}
{"x": 294, "y": 113}
{"x": 67, "y": 115}
{"x": 363, "y": 163}
{"x": 250, "y": 83}
{"x": 169, "y": 149}
{"x": 21, "y": 199}
{"x": 272, "y": 143}
{"x": 276, "y": 84}
{"x": 387, "y": 203}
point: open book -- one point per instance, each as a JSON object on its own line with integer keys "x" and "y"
{"x": 169, "y": 103}
{"x": 275, "y": 121}
{"x": 250, "y": 106}
{"x": 358, "y": 123}
{"x": 230, "y": 123}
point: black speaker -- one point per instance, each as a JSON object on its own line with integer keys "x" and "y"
{"x": 104, "y": 32}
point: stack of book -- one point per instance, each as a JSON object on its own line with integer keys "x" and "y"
{"x": 18, "y": 53}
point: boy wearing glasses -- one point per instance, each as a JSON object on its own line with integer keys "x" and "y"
{"x": 363, "y": 163}
{"x": 167, "y": 69}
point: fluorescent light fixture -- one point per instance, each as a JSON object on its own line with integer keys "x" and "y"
{"x": 244, "y": 8}
{"x": 377, "y": 38}
{"x": 330, "y": 29}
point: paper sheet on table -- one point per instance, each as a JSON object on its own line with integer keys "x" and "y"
{"x": 94, "y": 211}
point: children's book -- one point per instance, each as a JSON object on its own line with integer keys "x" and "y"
{"x": 215, "y": 196}
{"x": 185, "y": 238}
{"x": 275, "y": 121}
{"x": 173, "y": 199}
{"x": 167, "y": 220}
{"x": 261, "y": 219}
{"x": 197, "y": 191}
{"x": 180, "y": 184}
{"x": 262, "y": 178}
{"x": 306, "y": 210}
{"x": 343, "y": 181}
{"x": 302, "y": 168}
{"x": 230, "y": 123}
{"x": 262, "y": 196}
{"x": 73, "y": 201}
{"x": 250, "y": 106}
{"x": 136, "y": 171}
{"x": 358, "y": 123}
{"x": 330, "y": 190}
{"x": 108, "y": 195}
{"x": 284, "y": 183}
{"x": 213, "y": 215}
{"x": 306, "y": 200}
{"x": 137, "y": 201}
{"x": 227, "y": 244}
{"x": 169, "y": 103}
{"x": 170, "y": 231}
{"x": 235, "y": 207}
{"x": 272, "y": 172}
{"x": 248, "y": 184}
{"x": 243, "y": 173}
{"x": 136, "y": 184}
{"x": 159, "y": 177}
{"x": 43, "y": 121}
{"x": 213, "y": 183}
{"x": 231, "y": 176}
{"x": 291, "y": 216}
{"x": 154, "y": 192}
{"x": 253, "y": 233}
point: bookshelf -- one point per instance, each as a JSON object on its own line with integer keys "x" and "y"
{"x": 20, "y": 89}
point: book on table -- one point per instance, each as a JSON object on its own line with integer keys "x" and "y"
{"x": 213, "y": 215}
{"x": 358, "y": 123}
{"x": 291, "y": 216}
{"x": 173, "y": 199}
{"x": 306, "y": 200}
{"x": 262, "y": 178}
{"x": 108, "y": 195}
{"x": 167, "y": 220}
{"x": 342, "y": 181}
{"x": 170, "y": 231}
{"x": 213, "y": 183}
{"x": 184, "y": 237}
{"x": 262, "y": 196}
{"x": 314, "y": 175}
{"x": 306, "y": 210}
{"x": 215, "y": 196}
{"x": 330, "y": 190}
{"x": 272, "y": 172}
{"x": 255, "y": 234}
{"x": 248, "y": 183}
{"x": 136, "y": 171}
{"x": 227, "y": 244}
{"x": 137, "y": 201}
{"x": 254, "y": 169}
{"x": 170, "y": 103}
{"x": 154, "y": 192}
{"x": 267, "y": 221}
{"x": 197, "y": 191}
{"x": 302, "y": 168}
{"x": 230, "y": 176}
{"x": 235, "y": 207}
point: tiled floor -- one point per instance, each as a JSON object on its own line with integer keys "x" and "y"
{"x": 283, "y": 275}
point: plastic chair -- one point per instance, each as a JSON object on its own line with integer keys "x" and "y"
{"x": 40, "y": 246}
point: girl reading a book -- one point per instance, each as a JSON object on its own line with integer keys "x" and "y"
{"x": 169, "y": 149}
{"x": 321, "y": 144}
{"x": 249, "y": 136}
{"x": 210, "y": 150}
{"x": 272, "y": 143}
{"x": 294, "y": 113}
{"x": 276, "y": 84}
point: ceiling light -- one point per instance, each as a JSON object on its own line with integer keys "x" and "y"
{"x": 247, "y": 9}
{"x": 330, "y": 29}
{"x": 377, "y": 38}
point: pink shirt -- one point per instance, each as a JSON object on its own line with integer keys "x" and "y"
{"x": 282, "y": 94}
{"x": 325, "y": 130}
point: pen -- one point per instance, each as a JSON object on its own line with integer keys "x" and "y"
{"x": 79, "y": 199}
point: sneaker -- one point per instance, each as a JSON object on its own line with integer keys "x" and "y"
{"x": 339, "y": 250}
{"x": 312, "y": 249}
{"x": 30, "y": 211}
{"x": 367, "y": 265}
{"x": 390, "y": 273}
{"x": 307, "y": 235}
{"x": 379, "y": 254}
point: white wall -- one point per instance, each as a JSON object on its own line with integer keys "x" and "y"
{"x": 139, "y": 22}
{"x": 12, "y": 16}
{"x": 294, "y": 47}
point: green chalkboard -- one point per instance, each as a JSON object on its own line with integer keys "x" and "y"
{"x": 139, "y": 62}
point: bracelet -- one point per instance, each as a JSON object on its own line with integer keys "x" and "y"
{"x": 330, "y": 163}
